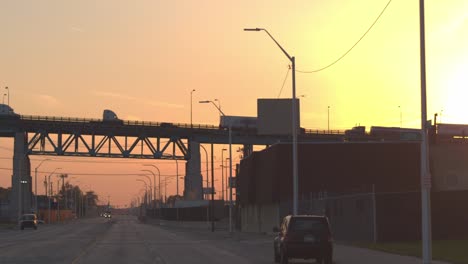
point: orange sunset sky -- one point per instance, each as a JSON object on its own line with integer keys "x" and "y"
{"x": 142, "y": 59}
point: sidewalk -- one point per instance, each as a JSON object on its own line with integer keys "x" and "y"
{"x": 353, "y": 255}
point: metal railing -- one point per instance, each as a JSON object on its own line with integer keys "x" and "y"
{"x": 158, "y": 124}
{"x": 123, "y": 122}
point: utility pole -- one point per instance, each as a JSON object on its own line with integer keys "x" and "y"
{"x": 63, "y": 176}
{"x": 425, "y": 172}
{"x": 212, "y": 189}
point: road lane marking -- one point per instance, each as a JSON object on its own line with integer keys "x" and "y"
{"x": 92, "y": 243}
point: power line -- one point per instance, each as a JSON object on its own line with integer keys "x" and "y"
{"x": 285, "y": 78}
{"x": 355, "y": 44}
{"x": 167, "y": 161}
{"x": 116, "y": 174}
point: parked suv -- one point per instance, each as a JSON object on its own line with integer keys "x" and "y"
{"x": 28, "y": 220}
{"x": 304, "y": 237}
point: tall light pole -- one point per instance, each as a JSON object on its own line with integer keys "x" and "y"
{"x": 8, "y": 97}
{"x": 154, "y": 180}
{"x": 151, "y": 185}
{"x": 166, "y": 181}
{"x": 177, "y": 176}
{"x": 230, "y": 162}
{"x": 50, "y": 192}
{"x": 328, "y": 120}
{"x": 35, "y": 184}
{"x": 212, "y": 189}
{"x": 3, "y": 101}
{"x": 294, "y": 115}
{"x": 206, "y": 157}
{"x": 425, "y": 172}
{"x": 227, "y": 183}
{"x": 401, "y": 117}
{"x": 146, "y": 190}
{"x": 75, "y": 197}
{"x": 219, "y": 104}
{"x": 222, "y": 174}
{"x": 63, "y": 176}
{"x": 191, "y": 103}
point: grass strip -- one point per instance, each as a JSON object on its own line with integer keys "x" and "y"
{"x": 453, "y": 251}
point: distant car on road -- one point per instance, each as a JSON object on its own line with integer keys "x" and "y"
{"x": 304, "y": 237}
{"x": 28, "y": 220}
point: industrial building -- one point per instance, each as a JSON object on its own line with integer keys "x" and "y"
{"x": 369, "y": 190}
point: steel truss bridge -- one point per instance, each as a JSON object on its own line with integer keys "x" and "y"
{"x": 65, "y": 136}
{"x": 62, "y": 136}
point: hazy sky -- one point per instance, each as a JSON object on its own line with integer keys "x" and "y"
{"x": 142, "y": 59}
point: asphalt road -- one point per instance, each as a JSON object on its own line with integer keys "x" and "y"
{"x": 124, "y": 240}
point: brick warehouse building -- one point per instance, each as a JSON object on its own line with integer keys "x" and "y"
{"x": 369, "y": 191}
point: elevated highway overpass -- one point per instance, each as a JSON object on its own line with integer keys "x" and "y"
{"x": 68, "y": 136}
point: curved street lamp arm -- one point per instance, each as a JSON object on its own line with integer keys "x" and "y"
{"x": 41, "y": 163}
{"x": 221, "y": 111}
{"x": 217, "y": 107}
{"x": 263, "y": 29}
{"x": 285, "y": 53}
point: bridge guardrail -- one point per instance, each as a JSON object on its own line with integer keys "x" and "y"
{"x": 124, "y": 122}
{"x": 158, "y": 124}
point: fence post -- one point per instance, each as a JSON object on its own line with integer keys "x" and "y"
{"x": 374, "y": 208}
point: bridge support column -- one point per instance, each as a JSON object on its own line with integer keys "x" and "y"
{"x": 193, "y": 179}
{"x": 21, "y": 180}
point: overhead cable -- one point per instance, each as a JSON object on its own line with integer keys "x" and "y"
{"x": 352, "y": 47}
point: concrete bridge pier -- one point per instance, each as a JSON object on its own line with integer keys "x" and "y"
{"x": 21, "y": 180}
{"x": 193, "y": 181}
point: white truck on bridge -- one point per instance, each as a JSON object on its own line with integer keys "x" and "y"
{"x": 238, "y": 122}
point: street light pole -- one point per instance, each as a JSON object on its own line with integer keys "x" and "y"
{"x": 294, "y": 115}
{"x": 50, "y": 192}
{"x": 154, "y": 180}
{"x": 152, "y": 194}
{"x": 177, "y": 176}
{"x": 328, "y": 120}
{"x": 219, "y": 103}
{"x": 401, "y": 117}
{"x": 8, "y": 91}
{"x": 212, "y": 189}
{"x": 206, "y": 157}
{"x": 425, "y": 172}
{"x": 191, "y": 103}
{"x": 35, "y": 184}
{"x": 222, "y": 174}
{"x": 230, "y": 163}
{"x": 228, "y": 183}
{"x": 230, "y": 178}
{"x": 146, "y": 190}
